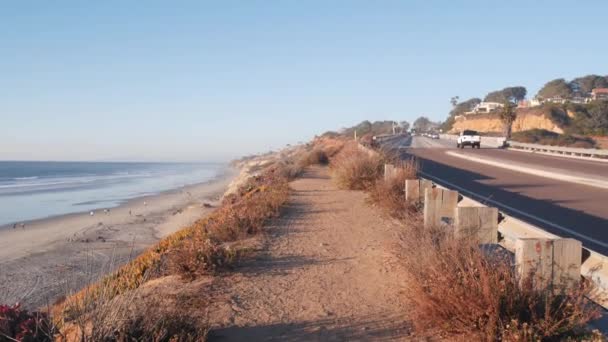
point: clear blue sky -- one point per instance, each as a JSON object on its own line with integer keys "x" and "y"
{"x": 211, "y": 80}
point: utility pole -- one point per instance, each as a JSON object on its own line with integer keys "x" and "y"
{"x": 355, "y": 135}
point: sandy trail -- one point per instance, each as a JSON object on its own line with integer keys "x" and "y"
{"x": 327, "y": 273}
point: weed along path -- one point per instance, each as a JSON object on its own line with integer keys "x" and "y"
{"x": 326, "y": 273}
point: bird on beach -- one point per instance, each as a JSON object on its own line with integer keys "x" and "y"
{"x": 92, "y": 213}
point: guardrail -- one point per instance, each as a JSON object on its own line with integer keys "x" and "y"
{"x": 516, "y": 233}
{"x": 572, "y": 151}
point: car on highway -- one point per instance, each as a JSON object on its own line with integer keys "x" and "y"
{"x": 434, "y": 136}
{"x": 468, "y": 138}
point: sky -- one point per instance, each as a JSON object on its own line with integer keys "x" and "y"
{"x": 213, "y": 80}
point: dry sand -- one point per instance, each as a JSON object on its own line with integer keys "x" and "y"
{"x": 50, "y": 257}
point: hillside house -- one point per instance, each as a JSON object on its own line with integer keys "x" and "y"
{"x": 485, "y": 107}
{"x": 599, "y": 94}
{"x": 529, "y": 103}
{"x": 556, "y": 99}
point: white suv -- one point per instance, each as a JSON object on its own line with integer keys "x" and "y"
{"x": 468, "y": 138}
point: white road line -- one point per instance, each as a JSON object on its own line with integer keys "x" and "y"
{"x": 499, "y": 205}
{"x": 536, "y": 172}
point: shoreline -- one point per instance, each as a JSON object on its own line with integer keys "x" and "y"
{"x": 228, "y": 171}
{"x": 53, "y": 256}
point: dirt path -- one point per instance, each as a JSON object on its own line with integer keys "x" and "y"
{"x": 326, "y": 274}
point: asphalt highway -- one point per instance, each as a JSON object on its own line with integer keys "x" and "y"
{"x": 559, "y": 206}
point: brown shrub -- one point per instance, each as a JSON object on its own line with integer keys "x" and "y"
{"x": 134, "y": 317}
{"x": 459, "y": 288}
{"x": 389, "y": 194}
{"x": 241, "y": 216}
{"x": 316, "y": 157}
{"x": 199, "y": 255}
{"x": 354, "y": 169}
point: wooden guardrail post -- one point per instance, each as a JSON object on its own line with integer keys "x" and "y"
{"x": 554, "y": 263}
{"x": 567, "y": 258}
{"x": 389, "y": 171}
{"x": 533, "y": 261}
{"x": 478, "y": 222}
{"x": 414, "y": 189}
{"x": 438, "y": 204}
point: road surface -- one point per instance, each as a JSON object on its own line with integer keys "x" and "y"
{"x": 560, "y": 206}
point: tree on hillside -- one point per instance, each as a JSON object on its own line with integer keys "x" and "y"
{"x": 459, "y": 109}
{"x": 404, "y": 125}
{"x": 363, "y": 128}
{"x": 508, "y": 116}
{"x": 423, "y": 124}
{"x": 511, "y": 94}
{"x": 584, "y": 85}
{"x": 598, "y": 117}
{"x": 465, "y": 106}
{"x": 558, "y": 87}
{"x": 454, "y": 100}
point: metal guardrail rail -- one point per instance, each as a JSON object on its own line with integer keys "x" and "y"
{"x": 581, "y": 152}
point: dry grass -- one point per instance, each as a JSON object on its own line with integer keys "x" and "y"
{"x": 134, "y": 316}
{"x": 317, "y": 153}
{"x": 316, "y": 156}
{"x": 456, "y": 287}
{"x": 354, "y": 169}
{"x": 389, "y": 195}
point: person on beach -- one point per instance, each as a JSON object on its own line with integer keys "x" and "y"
{"x": 23, "y": 226}
{"x": 129, "y": 212}
{"x": 91, "y": 213}
{"x": 14, "y": 226}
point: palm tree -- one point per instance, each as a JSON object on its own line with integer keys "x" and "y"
{"x": 454, "y": 100}
{"x": 508, "y": 116}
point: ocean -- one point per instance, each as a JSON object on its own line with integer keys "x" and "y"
{"x": 33, "y": 190}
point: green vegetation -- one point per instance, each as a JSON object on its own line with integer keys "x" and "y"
{"x": 580, "y": 86}
{"x": 544, "y": 137}
{"x": 585, "y": 84}
{"x": 508, "y": 94}
{"x": 423, "y": 124}
{"x": 367, "y": 127}
{"x": 589, "y": 119}
{"x": 555, "y": 88}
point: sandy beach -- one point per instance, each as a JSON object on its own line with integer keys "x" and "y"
{"x": 48, "y": 258}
